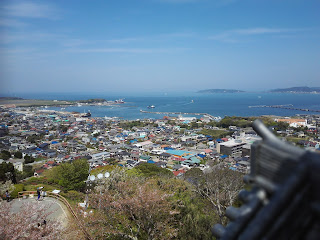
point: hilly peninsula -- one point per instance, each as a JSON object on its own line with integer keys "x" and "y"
{"x": 220, "y": 91}
{"x": 297, "y": 90}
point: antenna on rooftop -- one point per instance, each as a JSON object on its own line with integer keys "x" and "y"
{"x": 92, "y": 177}
{"x": 107, "y": 174}
{"x": 100, "y": 175}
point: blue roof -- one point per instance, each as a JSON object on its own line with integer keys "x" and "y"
{"x": 54, "y": 142}
{"x": 201, "y": 155}
{"x": 223, "y": 156}
{"x": 195, "y": 160}
{"x": 233, "y": 168}
{"x": 150, "y": 161}
{"x": 180, "y": 152}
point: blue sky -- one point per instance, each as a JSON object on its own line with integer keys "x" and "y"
{"x": 158, "y": 45}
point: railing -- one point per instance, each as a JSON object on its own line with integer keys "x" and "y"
{"x": 65, "y": 202}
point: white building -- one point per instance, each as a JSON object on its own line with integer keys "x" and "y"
{"x": 294, "y": 122}
{"x": 18, "y": 164}
{"x": 144, "y": 145}
{"x": 100, "y": 156}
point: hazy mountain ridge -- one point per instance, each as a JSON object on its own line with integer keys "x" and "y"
{"x": 11, "y": 98}
{"x": 220, "y": 91}
{"x": 297, "y": 90}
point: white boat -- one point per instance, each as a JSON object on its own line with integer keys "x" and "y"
{"x": 119, "y": 100}
{"x": 151, "y": 106}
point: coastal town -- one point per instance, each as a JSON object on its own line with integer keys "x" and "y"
{"x": 106, "y": 169}
{"x": 159, "y": 120}
{"x": 40, "y": 139}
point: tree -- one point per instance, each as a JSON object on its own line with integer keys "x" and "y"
{"x": 18, "y": 154}
{"x": 71, "y": 176}
{"x": 27, "y": 172}
{"x": 138, "y": 207}
{"x": 150, "y": 170}
{"x": 33, "y": 138}
{"x": 6, "y": 186}
{"x": 194, "y": 215}
{"x": 282, "y": 126}
{"x": 131, "y": 209}
{"x": 64, "y": 128}
{"x": 28, "y": 159}
{"x": 7, "y": 172}
{"x": 220, "y": 187}
{"x": 24, "y": 224}
{"x": 5, "y": 155}
{"x": 96, "y": 134}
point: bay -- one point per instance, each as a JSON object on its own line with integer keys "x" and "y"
{"x": 225, "y": 104}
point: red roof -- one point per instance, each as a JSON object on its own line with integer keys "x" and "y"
{"x": 50, "y": 162}
{"x": 40, "y": 171}
{"x": 178, "y": 159}
{"x": 176, "y": 173}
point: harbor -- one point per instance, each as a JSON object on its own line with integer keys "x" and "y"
{"x": 179, "y": 113}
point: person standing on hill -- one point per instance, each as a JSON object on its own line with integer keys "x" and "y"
{"x": 8, "y": 196}
{"x": 38, "y": 192}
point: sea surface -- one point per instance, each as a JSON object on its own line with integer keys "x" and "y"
{"x": 224, "y": 104}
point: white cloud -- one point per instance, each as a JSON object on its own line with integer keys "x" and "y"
{"x": 126, "y": 40}
{"x": 163, "y": 36}
{"x": 234, "y": 34}
{"x": 12, "y": 23}
{"x": 31, "y": 37}
{"x": 31, "y": 10}
{"x": 126, "y": 50}
{"x": 256, "y": 31}
{"x": 218, "y": 3}
{"x": 178, "y": 1}
{"x": 16, "y": 50}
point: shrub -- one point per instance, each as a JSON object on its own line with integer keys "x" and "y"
{"x": 73, "y": 195}
{"x": 18, "y": 188}
{"x": 149, "y": 170}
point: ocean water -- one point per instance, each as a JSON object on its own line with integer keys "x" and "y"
{"x": 230, "y": 104}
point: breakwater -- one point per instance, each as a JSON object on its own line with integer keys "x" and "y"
{"x": 178, "y": 113}
{"x": 285, "y": 106}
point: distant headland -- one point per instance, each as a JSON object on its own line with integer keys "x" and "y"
{"x": 220, "y": 91}
{"x": 21, "y": 102}
{"x": 297, "y": 90}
